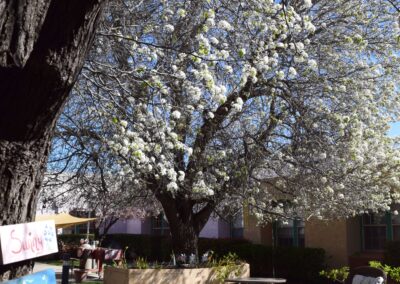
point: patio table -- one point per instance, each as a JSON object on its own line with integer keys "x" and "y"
{"x": 99, "y": 255}
{"x": 249, "y": 280}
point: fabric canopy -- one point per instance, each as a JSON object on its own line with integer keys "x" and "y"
{"x": 64, "y": 220}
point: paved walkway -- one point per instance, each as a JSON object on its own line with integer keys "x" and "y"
{"x": 92, "y": 278}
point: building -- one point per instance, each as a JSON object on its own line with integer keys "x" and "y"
{"x": 214, "y": 228}
{"x": 352, "y": 241}
{"x": 346, "y": 241}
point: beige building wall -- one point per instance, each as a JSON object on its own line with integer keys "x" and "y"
{"x": 331, "y": 236}
{"x": 340, "y": 239}
{"x": 353, "y": 235}
{"x": 266, "y": 235}
{"x": 251, "y": 231}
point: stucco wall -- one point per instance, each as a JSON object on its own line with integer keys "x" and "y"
{"x": 224, "y": 229}
{"x": 146, "y": 226}
{"x": 210, "y": 229}
{"x": 353, "y": 235}
{"x": 251, "y": 231}
{"x": 134, "y": 226}
{"x": 331, "y": 236}
{"x": 266, "y": 235}
{"x": 214, "y": 228}
{"x": 340, "y": 239}
{"x": 120, "y": 227}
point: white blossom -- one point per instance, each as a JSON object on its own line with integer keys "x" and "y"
{"x": 224, "y": 25}
{"x": 169, "y": 28}
{"x": 176, "y": 114}
{"x": 308, "y": 3}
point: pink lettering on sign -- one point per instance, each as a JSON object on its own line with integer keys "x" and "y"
{"x": 26, "y": 241}
{"x": 30, "y": 242}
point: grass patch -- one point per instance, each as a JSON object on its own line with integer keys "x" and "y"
{"x": 56, "y": 262}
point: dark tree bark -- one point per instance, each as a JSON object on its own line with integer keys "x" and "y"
{"x": 43, "y": 45}
{"x": 184, "y": 224}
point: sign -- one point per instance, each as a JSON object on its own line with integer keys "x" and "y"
{"x": 28, "y": 240}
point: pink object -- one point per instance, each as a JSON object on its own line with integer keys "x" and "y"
{"x": 28, "y": 240}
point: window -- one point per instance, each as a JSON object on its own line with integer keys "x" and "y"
{"x": 284, "y": 234}
{"x": 300, "y": 234}
{"x": 377, "y": 228}
{"x": 395, "y": 223}
{"x": 159, "y": 225}
{"x": 82, "y": 229}
{"x": 236, "y": 226}
{"x": 290, "y": 233}
{"x": 374, "y": 227}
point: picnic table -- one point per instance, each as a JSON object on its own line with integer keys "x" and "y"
{"x": 99, "y": 255}
{"x": 248, "y": 280}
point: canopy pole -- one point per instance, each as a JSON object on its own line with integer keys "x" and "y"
{"x": 88, "y": 228}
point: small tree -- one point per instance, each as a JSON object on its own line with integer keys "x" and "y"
{"x": 109, "y": 197}
{"x": 82, "y": 174}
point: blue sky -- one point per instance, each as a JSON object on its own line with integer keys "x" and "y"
{"x": 395, "y": 129}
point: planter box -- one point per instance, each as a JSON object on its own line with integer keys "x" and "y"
{"x": 113, "y": 275}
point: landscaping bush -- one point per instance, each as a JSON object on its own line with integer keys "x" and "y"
{"x": 298, "y": 265}
{"x": 158, "y": 248}
{"x": 73, "y": 239}
{"x": 220, "y": 247}
{"x": 392, "y": 252}
{"x": 152, "y": 248}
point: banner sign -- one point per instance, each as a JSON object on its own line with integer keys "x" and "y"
{"x": 28, "y": 240}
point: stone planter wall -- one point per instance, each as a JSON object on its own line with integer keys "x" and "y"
{"x": 114, "y": 275}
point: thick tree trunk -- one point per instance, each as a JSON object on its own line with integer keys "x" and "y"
{"x": 43, "y": 45}
{"x": 185, "y": 225}
{"x": 185, "y": 237}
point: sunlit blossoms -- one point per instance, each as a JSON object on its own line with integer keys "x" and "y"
{"x": 221, "y": 103}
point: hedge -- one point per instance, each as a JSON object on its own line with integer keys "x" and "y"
{"x": 298, "y": 265}
{"x": 392, "y": 253}
{"x": 73, "y": 238}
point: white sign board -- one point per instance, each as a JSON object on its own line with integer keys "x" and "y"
{"x": 28, "y": 240}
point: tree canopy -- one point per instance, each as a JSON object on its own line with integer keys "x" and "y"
{"x": 282, "y": 105}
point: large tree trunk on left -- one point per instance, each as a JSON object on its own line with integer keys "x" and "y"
{"x": 43, "y": 45}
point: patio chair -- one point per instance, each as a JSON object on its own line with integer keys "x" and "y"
{"x": 366, "y": 271}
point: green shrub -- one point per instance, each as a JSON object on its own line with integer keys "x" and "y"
{"x": 336, "y": 274}
{"x": 73, "y": 239}
{"x": 392, "y": 272}
{"x": 141, "y": 263}
{"x": 227, "y": 266}
{"x": 392, "y": 252}
{"x": 300, "y": 263}
{"x": 220, "y": 247}
{"x": 153, "y": 248}
{"x": 296, "y": 264}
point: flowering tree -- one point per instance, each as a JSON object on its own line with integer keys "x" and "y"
{"x": 283, "y": 105}
{"x": 82, "y": 175}
{"x": 111, "y": 198}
